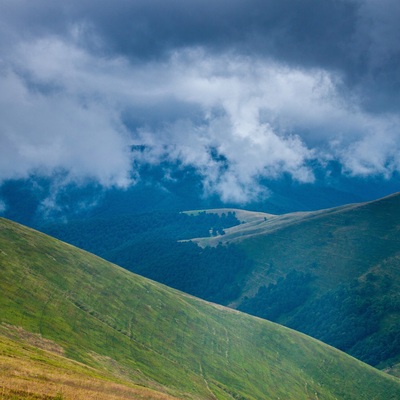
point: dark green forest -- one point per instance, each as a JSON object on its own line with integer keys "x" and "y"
{"x": 153, "y": 245}
{"x": 349, "y": 318}
{"x": 280, "y": 298}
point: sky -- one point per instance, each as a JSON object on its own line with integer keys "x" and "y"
{"x": 239, "y": 90}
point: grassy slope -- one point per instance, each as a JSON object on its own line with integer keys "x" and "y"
{"x": 256, "y": 224}
{"x": 338, "y": 244}
{"x": 138, "y": 331}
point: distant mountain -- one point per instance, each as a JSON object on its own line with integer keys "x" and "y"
{"x": 65, "y": 312}
{"x": 333, "y": 274}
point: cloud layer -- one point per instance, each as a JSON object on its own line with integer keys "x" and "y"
{"x": 239, "y": 90}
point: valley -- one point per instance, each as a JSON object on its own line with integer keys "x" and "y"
{"x": 332, "y": 274}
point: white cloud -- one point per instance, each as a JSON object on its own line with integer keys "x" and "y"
{"x": 376, "y": 152}
{"x": 41, "y": 133}
{"x": 61, "y": 108}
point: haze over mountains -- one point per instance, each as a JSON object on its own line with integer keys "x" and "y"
{"x": 173, "y": 187}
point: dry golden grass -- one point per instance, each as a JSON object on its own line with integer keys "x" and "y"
{"x": 34, "y": 339}
{"x": 29, "y": 373}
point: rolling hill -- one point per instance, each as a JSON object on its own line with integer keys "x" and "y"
{"x": 333, "y": 274}
{"x": 67, "y": 314}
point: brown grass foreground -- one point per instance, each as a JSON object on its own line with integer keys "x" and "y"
{"x": 30, "y": 373}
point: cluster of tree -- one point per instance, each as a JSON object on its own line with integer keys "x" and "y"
{"x": 100, "y": 236}
{"x": 214, "y": 274}
{"x": 383, "y": 345}
{"x": 351, "y": 317}
{"x": 280, "y": 298}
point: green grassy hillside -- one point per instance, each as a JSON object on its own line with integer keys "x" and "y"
{"x": 59, "y": 303}
{"x": 333, "y": 274}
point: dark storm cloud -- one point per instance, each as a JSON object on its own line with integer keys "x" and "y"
{"x": 300, "y": 31}
{"x": 308, "y": 31}
{"x": 358, "y": 39}
{"x": 270, "y": 85}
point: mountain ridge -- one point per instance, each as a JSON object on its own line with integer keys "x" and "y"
{"x": 269, "y": 221}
